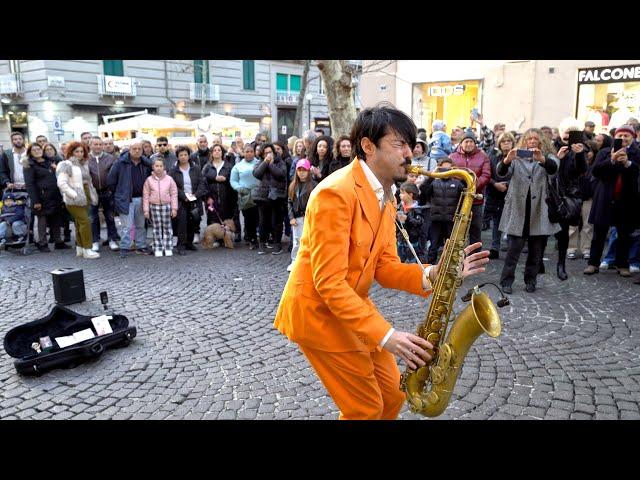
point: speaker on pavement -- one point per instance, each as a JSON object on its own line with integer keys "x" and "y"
{"x": 68, "y": 286}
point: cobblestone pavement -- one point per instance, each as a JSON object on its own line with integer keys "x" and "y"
{"x": 206, "y": 348}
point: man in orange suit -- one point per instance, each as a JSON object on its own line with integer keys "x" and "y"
{"x": 349, "y": 240}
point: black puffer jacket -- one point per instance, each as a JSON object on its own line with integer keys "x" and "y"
{"x": 337, "y": 163}
{"x": 572, "y": 167}
{"x": 42, "y": 185}
{"x": 221, "y": 192}
{"x": 197, "y": 185}
{"x": 298, "y": 205}
{"x": 413, "y": 224}
{"x": 444, "y": 195}
{"x": 200, "y": 157}
{"x": 495, "y": 199}
{"x": 272, "y": 180}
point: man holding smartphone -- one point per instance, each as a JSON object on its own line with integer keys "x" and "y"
{"x": 615, "y": 203}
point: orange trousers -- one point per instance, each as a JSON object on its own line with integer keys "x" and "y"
{"x": 364, "y": 385}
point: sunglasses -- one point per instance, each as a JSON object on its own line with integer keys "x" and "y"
{"x": 162, "y": 144}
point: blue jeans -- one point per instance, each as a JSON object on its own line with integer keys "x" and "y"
{"x": 135, "y": 217}
{"x": 634, "y": 251}
{"x": 18, "y": 227}
{"x": 495, "y": 229}
{"x": 106, "y": 201}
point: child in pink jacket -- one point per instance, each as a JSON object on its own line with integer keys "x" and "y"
{"x": 160, "y": 204}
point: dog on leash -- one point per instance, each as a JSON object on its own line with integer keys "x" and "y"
{"x": 216, "y": 232}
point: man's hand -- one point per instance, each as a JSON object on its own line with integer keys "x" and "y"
{"x": 563, "y": 152}
{"x": 174, "y": 213}
{"x": 293, "y": 222}
{"x": 10, "y": 186}
{"x": 409, "y": 348}
{"x": 577, "y": 148}
{"x": 537, "y": 156}
{"x": 620, "y": 156}
{"x": 146, "y": 215}
{"x": 472, "y": 265}
{"x": 501, "y": 186}
{"x": 510, "y": 156}
{"x": 37, "y": 206}
{"x": 221, "y": 178}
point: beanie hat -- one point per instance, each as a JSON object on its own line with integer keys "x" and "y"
{"x": 303, "y": 163}
{"x": 626, "y": 128}
{"x": 468, "y": 133}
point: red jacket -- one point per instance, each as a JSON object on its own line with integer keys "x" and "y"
{"x": 478, "y": 161}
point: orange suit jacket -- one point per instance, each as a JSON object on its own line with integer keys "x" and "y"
{"x": 347, "y": 243}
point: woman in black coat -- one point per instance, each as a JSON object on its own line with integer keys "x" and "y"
{"x": 189, "y": 199}
{"x": 321, "y": 157}
{"x": 497, "y": 191}
{"x": 217, "y": 173}
{"x": 283, "y": 150}
{"x": 615, "y": 200}
{"x": 46, "y": 200}
{"x": 342, "y": 154}
{"x": 51, "y": 154}
{"x": 573, "y": 164}
{"x": 270, "y": 194}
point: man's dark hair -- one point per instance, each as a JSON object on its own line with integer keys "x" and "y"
{"x": 13, "y": 134}
{"x": 162, "y": 139}
{"x": 182, "y": 148}
{"x": 422, "y": 130}
{"x": 410, "y": 188}
{"x": 374, "y": 123}
{"x": 249, "y": 145}
{"x": 41, "y": 136}
{"x": 84, "y": 133}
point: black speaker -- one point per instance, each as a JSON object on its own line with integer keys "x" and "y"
{"x": 68, "y": 286}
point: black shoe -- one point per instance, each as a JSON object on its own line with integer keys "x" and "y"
{"x": 507, "y": 289}
{"x": 562, "y": 274}
{"x": 493, "y": 254}
{"x": 43, "y": 247}
{"x": 278, "y": 249}
{"x": 268, "y": 245}
{"x": 61, "y": 246}
{"x": 105, "y": 243}
{"x": 261, "y": 250}
{"x": 253, "y": 246}
{"x": 191, "y": 247}
{"x": 143, "y": 251}
{"x": 542, "y": 270}
{"x": 530, "y": 288}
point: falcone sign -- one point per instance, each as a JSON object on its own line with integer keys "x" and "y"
{"x": 623, "y": 73}
{"x": 118, "y": 84}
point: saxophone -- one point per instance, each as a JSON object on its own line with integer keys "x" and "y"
{"x": 429, "y": 388}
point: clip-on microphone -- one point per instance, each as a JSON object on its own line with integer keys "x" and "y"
{"x": 503, "y": 302}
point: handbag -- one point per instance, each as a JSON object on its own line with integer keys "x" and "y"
{"x": 245, "y": 200}
{"x": 564, "y": 205}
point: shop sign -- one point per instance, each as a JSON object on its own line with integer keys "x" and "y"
{"x": 55, "y": 81}
{"x": 118, "y": 84}
{"x": 609, "y": 74}
{"x": 446, "y": 91}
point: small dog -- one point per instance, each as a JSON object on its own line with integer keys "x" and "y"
{"x": 215, "y": 232}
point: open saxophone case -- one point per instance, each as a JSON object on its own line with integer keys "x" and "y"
{"x": 64, "y": 338}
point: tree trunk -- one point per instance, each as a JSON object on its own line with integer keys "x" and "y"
{"x": 303, "y": 92}
{"x": 339, "y": 87}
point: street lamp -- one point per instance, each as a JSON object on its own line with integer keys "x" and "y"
{"x": 309, "y": 97}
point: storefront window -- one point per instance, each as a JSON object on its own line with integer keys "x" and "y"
{"x": 448, "y": 101}
{"x": 608, "y": 96}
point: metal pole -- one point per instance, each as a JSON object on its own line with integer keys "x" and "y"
{"x": 309, "y": 117}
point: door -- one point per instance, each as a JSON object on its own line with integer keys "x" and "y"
{"x": 286, "y": 117}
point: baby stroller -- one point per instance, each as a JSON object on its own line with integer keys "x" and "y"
{"x": 15, "y": 222}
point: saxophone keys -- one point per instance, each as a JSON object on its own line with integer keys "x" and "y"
{"x": 445, "y": 356}
{"x": 432, "y": 397}
{"x": 437, "y": 374}
{"x": 433, "y": 338}
{"x": 422, "y": 374}
{"x": 435, "y": 326}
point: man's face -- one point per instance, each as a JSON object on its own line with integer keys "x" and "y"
{"x": 390, "y": 157}
{"x": 456, "y": 134}
{"x": 163, "y": 146}
{"x": 17, "y": 141}
{"x": 41, "y": 140}
{"x": 108, "y": 145}
{"x": 86, "y": 138}
{"x": 468, "y": 145}
{"x": 418, "y": 150}
{"x": 203, "y": 143}
{"x": 627, "y": 138}
{"x": 499, "y": 130}
{"x": 590, "y": 128}
{"x": 216, "y": 140}
{"x": 96, "y": 146}
{"x": 135, "y": 150}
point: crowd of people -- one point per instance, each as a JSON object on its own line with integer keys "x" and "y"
{"x": 567, "y": 182}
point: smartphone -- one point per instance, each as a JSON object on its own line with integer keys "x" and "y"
{"x": 575, "y": 137}
{"x": 474, "y": 113}
{"x": 617, "y": 144}
{"x": 233, "y": 144}
{"x": 524, "y": 153}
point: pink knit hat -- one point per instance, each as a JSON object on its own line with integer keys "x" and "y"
{"x": 303, "y": 163}
{"x": 626, "y": 128}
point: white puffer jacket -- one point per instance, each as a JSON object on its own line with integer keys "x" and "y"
{"x": 71, "y": 183}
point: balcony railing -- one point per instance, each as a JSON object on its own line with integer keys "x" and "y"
{"x": 10, "y": 84}
{"x": 211, "y": 92}
{"x": 287, "y": 97}
{"x": 117, "y": 86}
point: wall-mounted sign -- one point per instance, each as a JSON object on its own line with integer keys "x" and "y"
{"x": 118, "y": 84}
{"x": 55, "y": 82}
{"x": 8, "y": 83}
{"x": 623, "y": 73}
{"x": 445, "y": 91}
{"x": 287, "y": 97}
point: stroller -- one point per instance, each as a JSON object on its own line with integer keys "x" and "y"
{"x": 16, "y": 223}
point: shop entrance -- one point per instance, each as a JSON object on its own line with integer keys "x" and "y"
{"x": 448, "y": 101}
{"x": 18, "y": 120}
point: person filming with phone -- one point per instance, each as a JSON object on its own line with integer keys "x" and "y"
{"x": 615, "y": 199}
{"x": 525, "y": 215}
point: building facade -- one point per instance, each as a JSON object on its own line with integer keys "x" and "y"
{"x": 521, "y": 94}
{"x": 62, "y": 98}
